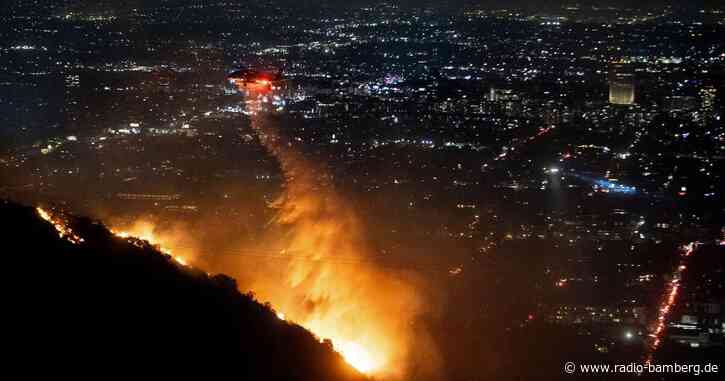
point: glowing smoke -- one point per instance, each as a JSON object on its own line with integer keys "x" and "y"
{"x": 168, "y": 241}
{"x": 368, "y": 313}
{"x": 319, "y": 272}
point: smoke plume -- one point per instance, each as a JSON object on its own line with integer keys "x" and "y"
{"x": 328, "y": 281}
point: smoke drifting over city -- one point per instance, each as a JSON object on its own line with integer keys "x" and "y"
{"x": 332, "y": 285}
{"x": 427, "y": 191}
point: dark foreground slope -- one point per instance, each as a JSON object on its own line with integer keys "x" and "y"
{"x": 106, "y": 306}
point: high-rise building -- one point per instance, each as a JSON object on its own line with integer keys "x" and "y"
{"x": 621, "y": 83}
{"x": 707, "y": 109}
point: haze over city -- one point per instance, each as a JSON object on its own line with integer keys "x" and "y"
{"x": 436, "y": 190}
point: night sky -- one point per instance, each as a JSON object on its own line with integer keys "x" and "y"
{"x": 454, "y": 4}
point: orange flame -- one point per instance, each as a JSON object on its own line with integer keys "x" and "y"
{"x": 64, "y": 231}
{"x": 146, "y": 231}
{"x": 331, "y": 323}
{"x": 328, "y": 284}
{"x": 366, "y": 312}
{"x": 357, "y": 356}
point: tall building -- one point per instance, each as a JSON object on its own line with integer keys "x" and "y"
{"x": 621, "y": 83}
{"x": 707, "y": 97}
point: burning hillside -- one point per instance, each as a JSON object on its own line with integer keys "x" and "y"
{"x": 97, "y": 301}
{"x": 368, "y": 313}
{"x": 319, "y": 271}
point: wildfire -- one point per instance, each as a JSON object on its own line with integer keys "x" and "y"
{"x": 353, "y": 353}
{"x": 144, "y": 231}
{"x": 364, "y": 311}
{"x": 328, "y": 325}
{"x": 356, "y": 356}
{"x": 64, "y": 231}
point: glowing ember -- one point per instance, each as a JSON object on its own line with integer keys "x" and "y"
{"x": 44, "y": 215}
{"x": 280, "y": 316}
{"x": 64, "y": 231}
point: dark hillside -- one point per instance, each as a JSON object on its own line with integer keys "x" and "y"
{"x": 108, "y": 305}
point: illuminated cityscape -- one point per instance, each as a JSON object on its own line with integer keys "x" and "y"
{"x": 438, "y": 191}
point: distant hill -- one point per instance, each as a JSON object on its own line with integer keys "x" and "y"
{"x": 109, "y": 306}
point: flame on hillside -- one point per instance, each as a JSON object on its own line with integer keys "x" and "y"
{"x": 146, "y": 231}
{"x": 329, "y": 285}
{"x": 322, "y": 276}
{"x": 61, "y": 226}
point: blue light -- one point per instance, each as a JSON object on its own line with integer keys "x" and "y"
{"x": 609, "y": 186}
